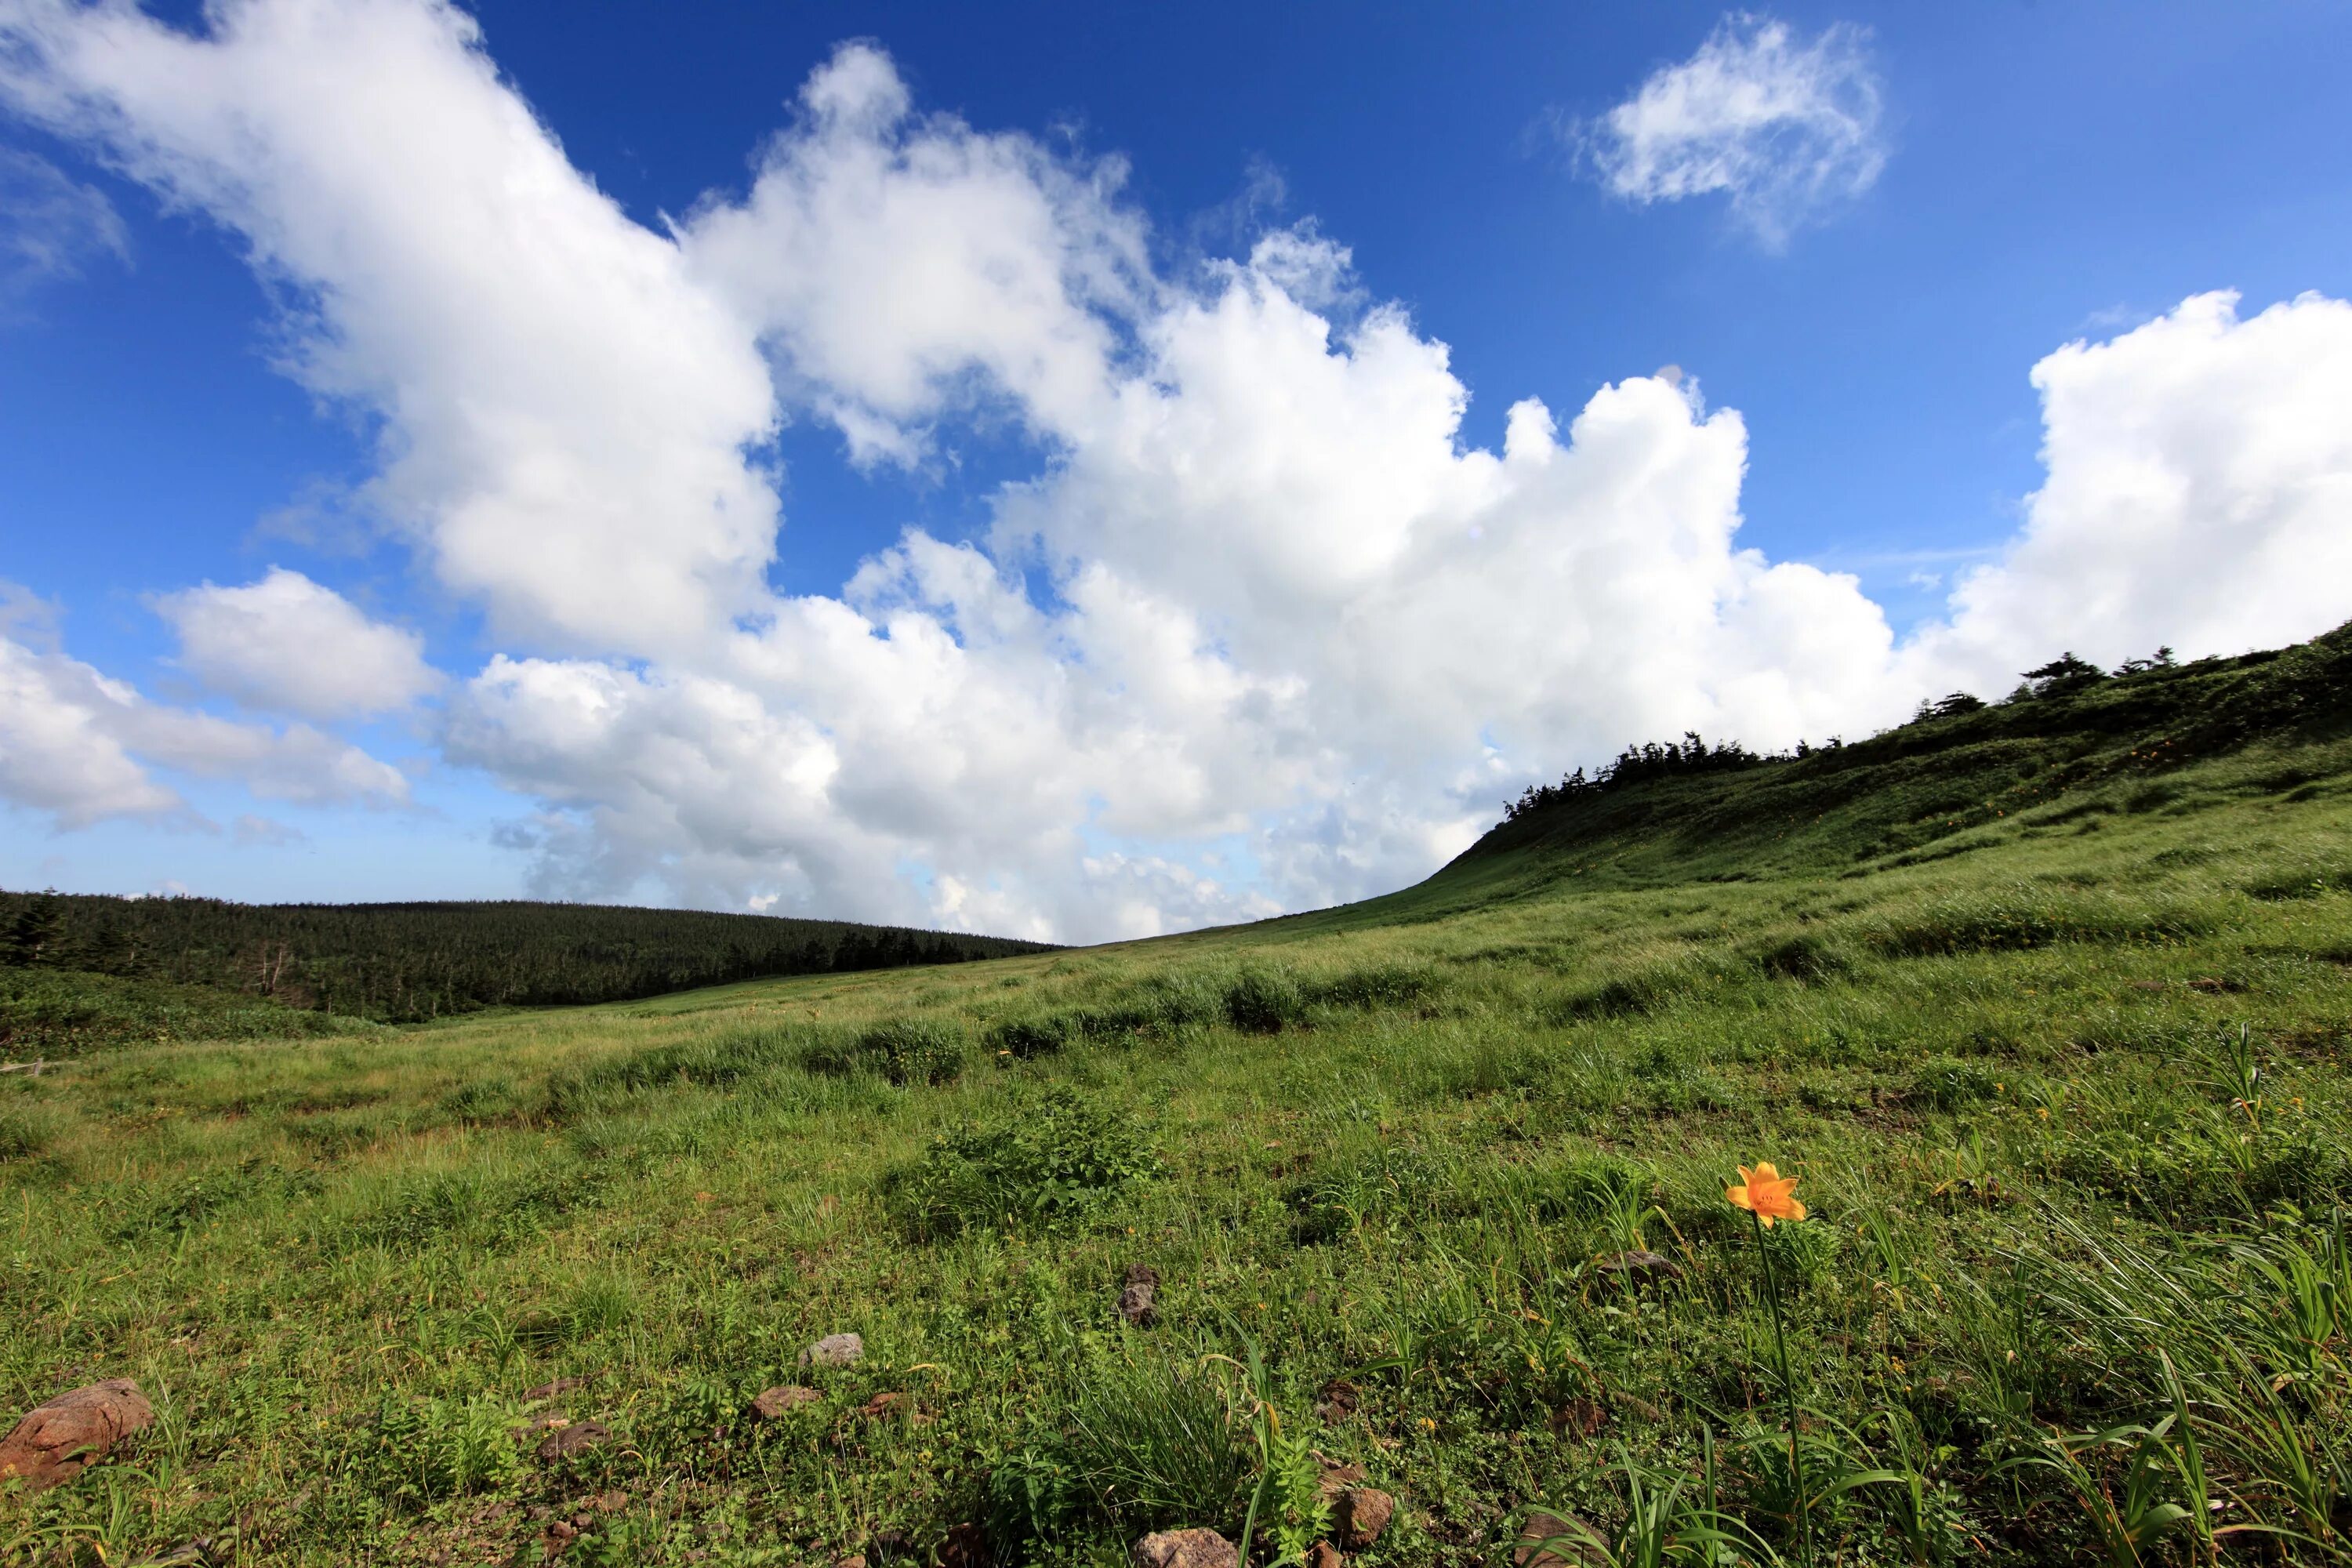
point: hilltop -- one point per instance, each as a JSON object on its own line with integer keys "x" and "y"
{"x": 2047, "y": 1006}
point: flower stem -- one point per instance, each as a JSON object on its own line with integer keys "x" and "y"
{"x": 1789, "y": 1393}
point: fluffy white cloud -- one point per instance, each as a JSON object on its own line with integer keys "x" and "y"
{"x": 1295, "y": 640}
{"x": 1785, "y": 128}
{"x": 2200, "y": 494}
{"x": 897, "y": 267}
{"x": 565, "y": 412}
{"x": 284, "y": 644}
{"x": 78, "y": 747}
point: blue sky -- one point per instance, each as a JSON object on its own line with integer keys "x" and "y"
{"x": 1187, "y": 725}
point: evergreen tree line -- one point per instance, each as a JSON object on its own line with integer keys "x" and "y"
{"x": 1656, "y": 759}
{"x": 407, "y": 962}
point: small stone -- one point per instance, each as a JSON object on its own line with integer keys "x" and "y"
{"x": 1549, "y": 1541}
{"x": 775, "y": 1403}
{"x": 1186, "y": 1549}
{"x": 854, "y": 1560}
{"x": 883, "y": 1405}
{"x": 1135, "y": 1303}
{"x": 1361, "y": 1514}
{"x": 965, "y": 1547}
{"x": 56, "y": 1442}
{"x": 834, "y": 1349}
{"x": 1338, "y": 1478}
{"x": 1638, "y": 1268}
{"x": 561, "y": 1530}
{"x": 1323, "y": 1554}
{"x": 1339, "y": 1401}
{"x": 562, "y": 1385}
{"x": 611, "y": 1502}
{"x": 1578, "y": 1417}
{"x": 576, "y": 1438}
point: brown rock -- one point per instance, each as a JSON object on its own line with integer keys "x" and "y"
{"x": 883, "y": 1405}
{"x": 1552, "y": 1540}
{"x": 1638, "y": 1269}
{"x": 575, "y": 1438}
{"x": 965, "y": 1547}
{"x": 611, "y": 1502}
{"x": 834, "y": 1349}
{"x": 1134, "y": 1304}
{"x": 57, "y": 1441}
{"x": 1186, "y": 1549}
{"x": 551, "y": 1390}
{"x": 775, "y": 1403}
{"x": 561, "y": 1530}
{"x": 854, "y": 1560}
{"x": 1361, "y": 1514}
{"x": 1338, "y": 1478}
{"x": 1580, "y": 1417}
{"x": 1323, "y": 1554}
{"x": 1339, "y": 1402}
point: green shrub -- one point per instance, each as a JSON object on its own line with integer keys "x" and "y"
{"x": 471, "y": 1208}
{"x": 2011, "y": 924}
{"x": 1025, "y": 1039}
{"x": 427, "y": 1450}
{"x": 1805, "y": 956}
{"x": 26, "y": 1130}
{"x": 904, "y": 1050}
{"x": 1043, "y": 1163}
{"x": 1376, "y": 985}
{"x": 1948, "y": 1084}
{"x": 1264, "y": 1000}
{"x": 1145, "y": 1444}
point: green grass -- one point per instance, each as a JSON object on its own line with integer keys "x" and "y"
{"x": 2066, "y": 1089}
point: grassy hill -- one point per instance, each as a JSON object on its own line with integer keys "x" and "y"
{"x": 2048, "y": 1005}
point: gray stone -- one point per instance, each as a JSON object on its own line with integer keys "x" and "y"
{"x": 834, "y": 1349}
{"x": 1186, "y": 1549}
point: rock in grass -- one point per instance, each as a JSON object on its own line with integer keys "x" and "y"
{"x": 577, "y": 1438}
{"x": 1339, "y": 1402}
{"x": 562, "y": 1385}
{"x": 1134, "y": 1302}
{"x": 1549, "y": 1541}
{"x": 1337, "y": 1477}
{"x": 1360, "y": 1515}
{"x": 57, "y": 1441}
{"x": 775, "y": 1403}
{"x": 1186, "y": 1549}
{"x": 1323, "y": 1554}
{"x": 1638, "y": 1268}
{"x": 834, "y": 1349}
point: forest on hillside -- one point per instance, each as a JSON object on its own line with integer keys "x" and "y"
{"x": 406, "y": 962}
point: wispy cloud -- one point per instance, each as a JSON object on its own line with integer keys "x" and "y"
{"x": 51, "y": 225}
{"x": 1785, "y": 128}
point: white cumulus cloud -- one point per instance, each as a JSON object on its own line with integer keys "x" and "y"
{"x": 80, "y": 747}
{"x": 1783, "y": 127}
{"x": 1262, "y": 630}
{"x": 284, "y": 644}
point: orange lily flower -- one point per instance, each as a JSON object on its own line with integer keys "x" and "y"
{"x": 1765, "y": 1193}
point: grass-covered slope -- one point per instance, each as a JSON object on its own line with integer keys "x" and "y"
{"x": 2068, "y": 759}
{"x": 2064, "y": 1078}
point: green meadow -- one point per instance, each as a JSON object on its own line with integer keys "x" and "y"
{"x": 2047, "y": 1006}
